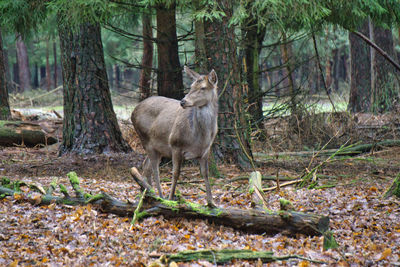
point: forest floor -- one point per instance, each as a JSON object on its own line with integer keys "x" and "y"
{"x": 349, "y": 191}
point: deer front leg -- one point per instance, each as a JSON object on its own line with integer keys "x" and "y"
{"x": 204, "y": 172}
{"x": 176, "y": 165}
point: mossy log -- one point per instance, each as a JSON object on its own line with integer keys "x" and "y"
{"x": 23, "y": 133}
{"x": 251, "y": 221}
{"x": 394, "y": 189}
{"x": 227, "y": 255}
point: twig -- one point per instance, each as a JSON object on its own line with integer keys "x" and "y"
{"x": 282, "y": 185}
{"x": 377, "y": 48}
{"x": 136, "y": 214}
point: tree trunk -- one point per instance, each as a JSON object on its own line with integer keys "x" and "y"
{"x": 24, "y": 73}
{"x": 16, "y": 76}
{"x": 90, "y": 124}
{"x": 360, "y": 72}
{"x": 169, "y": 74}
{"x": 147, "y": 59}
{"x": 4, "y": 105}
{"x": 201, "y": 60}
{"x": 42, "y": 74}
{"x": 48, "y": 70}
{"x": 335, "y": 73}
{"x": 117, "y": 77}
{"x": 385, "y": 85}
{"x": 253, "y": 38}
{"x": 233, "y": 140}
{"x": 36, "y": 76}
{"x": 287, "y": 58}
{"x": 55, "y": 64}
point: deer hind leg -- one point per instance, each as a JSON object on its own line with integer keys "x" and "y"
{"x": 176, "y": 163}
{"x": 147, "y": 170}
{"x": 204, "y": 172}
{"x": 155, "y": 158}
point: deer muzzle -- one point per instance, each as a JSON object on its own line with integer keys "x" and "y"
{"x": 184, "y": 103}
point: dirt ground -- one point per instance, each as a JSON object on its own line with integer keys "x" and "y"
{"x": 349, "y": 191}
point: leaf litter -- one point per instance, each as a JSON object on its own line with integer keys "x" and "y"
{"x": 366, "y": 227}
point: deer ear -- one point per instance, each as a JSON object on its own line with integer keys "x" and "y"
{"x": 212, "y": 77}
{"x": 194, "y": 75}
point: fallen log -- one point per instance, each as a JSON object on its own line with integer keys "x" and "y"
{"x": 287, "y": 222}
{"x": 227, "y": 255}
{"x": 394, "y": 188}
{"x": 252, "y": 221}
{"x": 347, "y": 151}
{"x": 24, "y": 133}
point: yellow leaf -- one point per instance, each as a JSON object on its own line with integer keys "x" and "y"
{"x": 14, "y": 264}
{"x": 386, "y": 253}
{"x": 373, "y": 189}
{"x": 45, "y": 259}
{"x": 17, "y": 196}
{"x": 304, "y": 264}
{"x": 187, "y": 236}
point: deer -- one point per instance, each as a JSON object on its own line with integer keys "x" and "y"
{"x": 179, "y": 130}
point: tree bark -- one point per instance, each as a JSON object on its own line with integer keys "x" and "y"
{"x": 360, "y": 72}
{"x": 147, "y": 59}
{"x": 169, "y": 74}
{"x": 4, "y": 105}
{"x": 385, "y": 85}
{"x": 117, "y": 77}
{"x": 233, "y": 139}
{"x": 55, "y": 64}
{"x": 90, "y": 124}
{"x": 24, "y": 73}
{"x": 201, "y": 61}
{"x": 36, "y": 76}
{"x": 48, "y": 70}
{"x": 253, "y": 38}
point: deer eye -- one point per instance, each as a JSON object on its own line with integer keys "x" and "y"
{"x": 202, "y": 88}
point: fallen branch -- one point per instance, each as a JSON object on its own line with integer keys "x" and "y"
{"x": 282, "y": 185}
{"x": 394, "y": 189}
{"x": 350, "y": 151}
{"x": 227, "y": 255}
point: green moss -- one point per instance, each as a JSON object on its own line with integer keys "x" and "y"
{"x": 284, "y": 214}
{"x": 94, "y": 198}
{"x": 284, "y": 202}
{"x": 204, "y": 209}
{"x": 63, "y": 189}
{"x": 6, "y": 182}
{"x": 73, "y": 177}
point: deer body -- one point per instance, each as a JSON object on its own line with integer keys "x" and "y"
{"x": 179, "y": 130}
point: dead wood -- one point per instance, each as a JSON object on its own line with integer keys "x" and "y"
{"x": 394, "y": 189}
{"x": 227, "y": 255}
{"x": 14, "y": 133}
{"x": 347, "y": 151}
{"x": 252, "y": 221}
